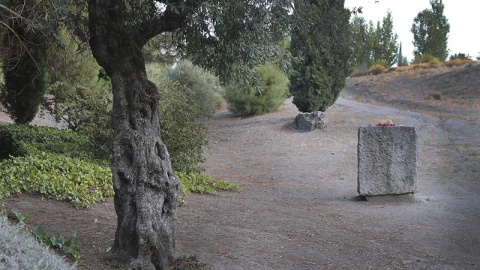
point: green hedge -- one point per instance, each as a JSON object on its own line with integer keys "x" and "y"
{"x": 23, "y": 140}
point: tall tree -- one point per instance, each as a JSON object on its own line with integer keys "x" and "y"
{"x": 383, "y": 42}
{"x": 388, "y": 40}
{"x": 430, "y": 30}
{"x": 321, "y": 48}
{"x": 377, "y": 50}
{"x": 400, "y": 56}
{"x": 361, "y": 48}
{"x": 24, "y": 56}
{"x": 146, "y": 188}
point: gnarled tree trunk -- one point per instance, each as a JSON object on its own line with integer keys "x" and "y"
{"x": 146, "y": 189}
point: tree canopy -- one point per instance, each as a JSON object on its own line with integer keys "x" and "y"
{"x": 430, "y": 30}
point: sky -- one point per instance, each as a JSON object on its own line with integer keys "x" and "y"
{"x": 463, "y": 16}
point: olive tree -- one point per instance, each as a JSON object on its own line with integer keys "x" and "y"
{"x": 146, "y": 189}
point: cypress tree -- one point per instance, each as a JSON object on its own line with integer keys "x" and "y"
{"x": 24, "y": 75}
{"x": 321, "y": 51}
{"x": 400, "y": 56}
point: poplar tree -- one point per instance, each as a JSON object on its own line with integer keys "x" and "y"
{"x": 430, "y": 30}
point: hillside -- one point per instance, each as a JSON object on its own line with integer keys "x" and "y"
{"x": 443, "y": 92}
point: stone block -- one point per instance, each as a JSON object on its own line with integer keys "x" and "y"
{"x": 310, "y": 121}
{"x": 387, "y": 160}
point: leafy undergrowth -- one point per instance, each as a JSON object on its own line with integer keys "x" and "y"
{"x": 70, "y": 246}
{"x": 203, "y": 184}
{"x": 56, "y": 164}
{"x": 57, "y": 177}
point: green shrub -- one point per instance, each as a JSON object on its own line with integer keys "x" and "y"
{"x": 80, "y": 95}
{"x": 188, "y": 94}
{"x": 183, "y": 134}
{"x": 426, "y": 59}
{"x": 382, "y": 63}
{"x": 457, "y": 62}
{"x": 267, "y": 97}
{"x": 21, "y": 140}
{"x": 9, "y": 145}
{"x": 205, "y": 87}
{"x": 201, "y": 183}
{"x": 58, "y": 177}
{"x": 376, "y": 69}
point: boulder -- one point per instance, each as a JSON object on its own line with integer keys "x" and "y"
{"x": 387, "y": 160}
{"x": 310, "y": 121}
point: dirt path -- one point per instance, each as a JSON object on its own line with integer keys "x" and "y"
{"x": 299, "y": 207}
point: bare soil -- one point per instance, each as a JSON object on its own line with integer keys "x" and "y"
{"x": 299, "y": 207}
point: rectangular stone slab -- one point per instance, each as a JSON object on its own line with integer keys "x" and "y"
{"x": 387, "y": 160}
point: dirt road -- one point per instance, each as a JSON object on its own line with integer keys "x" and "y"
{"x": 299, "y": 207}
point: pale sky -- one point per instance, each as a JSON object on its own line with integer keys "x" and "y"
{"x": 463, "y": 16}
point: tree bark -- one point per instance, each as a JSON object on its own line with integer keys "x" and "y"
{"x": 146, "y": 189}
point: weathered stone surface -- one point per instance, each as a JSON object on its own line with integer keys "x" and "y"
{"x": 387, "y": 160}
{"x": 310, "y": 121}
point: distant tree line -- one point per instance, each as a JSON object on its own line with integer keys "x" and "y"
{"x": 378, "y": 44}
{"x": 374, "y": 44}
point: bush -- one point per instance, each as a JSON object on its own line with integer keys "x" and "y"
{"x": 21, "y": 140}
{"x": 381, "y": 63}
{"x": 457, "y": 62}
{"x": 203, "y": 85}
{"x": 267, "y": 97}
{"x": 188, "y": 94}
{"x": 57, "y": 177}
{"x": 426, "y": 59}
{"x": 82, "y": 97}
{"x": 435, "y": 96}
{"x": 376, "y": 69}
{"x": 183, "y": 134}
{"x": 19, "y": 250}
